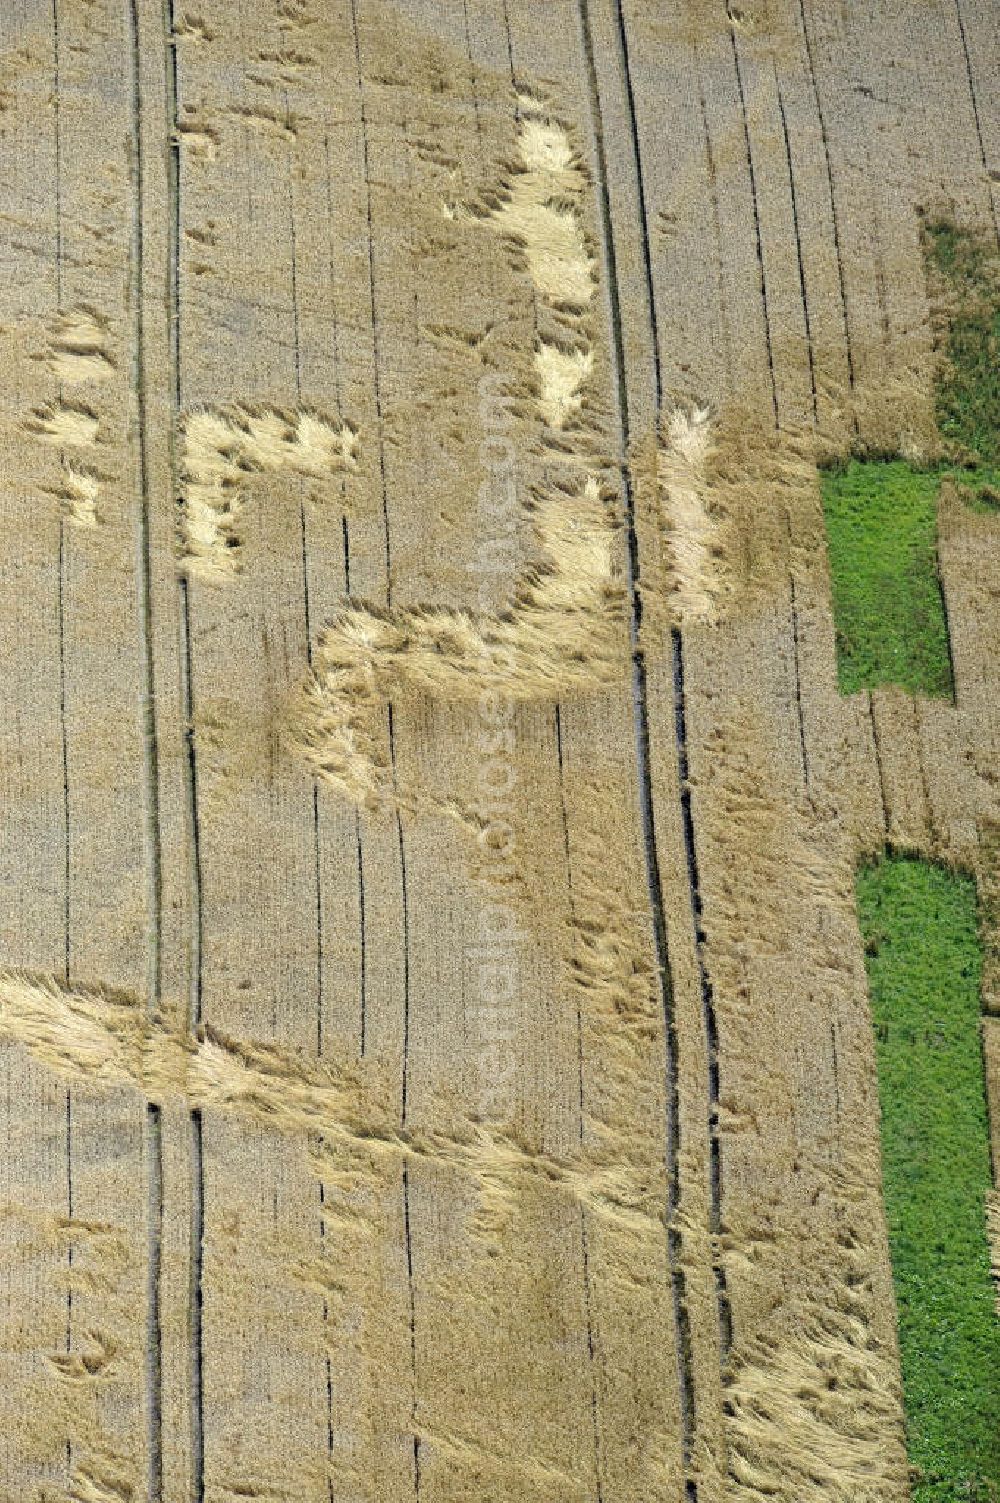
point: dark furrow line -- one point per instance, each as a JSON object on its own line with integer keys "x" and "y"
{"x": 925, "y": 786}
{"x": 406, "y": 930}
{"x": 61, "y": 615}
{"x": 319, "y": 921}
{"x": 329, "y": 1363}
{"x": 68, "y": 1108}
{"x": 148, "y": 704}
{"x": 196, "y": 1296}
{"x": 307, "y": 615}
{"x": 195, "y": 1009}
{"x": 803, "y": 749}
{"x": 972, "y": 90}
{"x": 592, "y": 1357}
{"x": 346, "y": 534}
{"x": 61, "y": 574}
{"x": 153, "y": 1135}
{"x": 472, "y": 71}
{"x": 144, "y": 554}
{"x": 316, "y": 840}
{"x": 798, "y": 249}
{"x": 148, "y": 699}
{"x": 57, "y": 131}
{"x": 762, "y": 278}
{"x": 377, "y": 381}
{"x": 317, "y": 847}
{"x": 69, "y": 1258}
{"x": 836, "y": 1066}
{"x": 707, "y": 991}
{"x": 194, "y": 821}
{"x": 713, "y": 178}
{"x": 154, "y": 1171}
{"x": 949, "y": 643}
{"x": 363, "y": 978}
{"x": 878, "y": 765}
{"x": 640, "y": 181}
{"x": 399, "y": 822}
{"x": 883, "y": 302}
{"x": 64, "y": 744}
{"x": 376, "y": 352}
{"x": 581, "y": 1111}
{"x": 975, "y": 115}
{"x": 413, "y": 1328}
{"x": 190, "y": 771}
{"x": 833, "y": 199}
{"x": 173, "y": 219}
{"x": 186, "y": 655}
{"x": 572, "y": 913}
{"x": 510, "y": 46}
{"x": 641, "y": 723}
{"x": 293, "y": 232}
{"x": 405, "y": 1107}
{"x": 334, "y": 313}
{"x": 878, "y": 270}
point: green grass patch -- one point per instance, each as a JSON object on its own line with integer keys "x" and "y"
{"x": 881, "y": 525}
{"x": 924, "y": 967}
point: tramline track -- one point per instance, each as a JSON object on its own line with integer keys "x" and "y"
{"x": 641, "y": 712}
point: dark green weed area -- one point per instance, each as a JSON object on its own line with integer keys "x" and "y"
{"x": 881, "y": 515}
{"x": 968, "y": 392}
{"x": 924, "y": 964}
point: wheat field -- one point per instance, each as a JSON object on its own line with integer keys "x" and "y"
{"x": 437, "y": 1050}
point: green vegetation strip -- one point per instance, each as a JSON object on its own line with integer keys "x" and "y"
{"x": 924, "y": 967}
{"x": 881, "y": 517}
{"x": 881, "y": 525}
